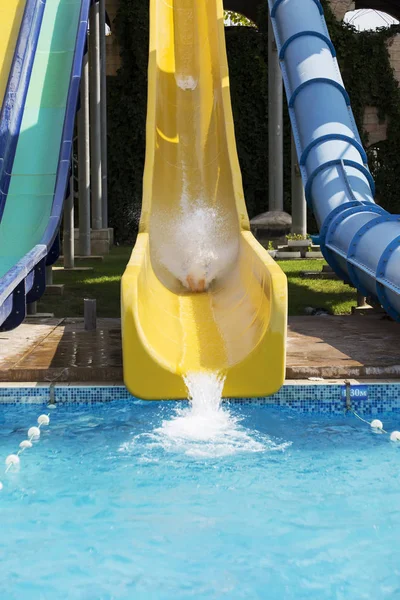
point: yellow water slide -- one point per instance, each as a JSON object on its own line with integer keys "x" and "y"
{"x": 199, "y": 292}
{"x": 11, "y": 12}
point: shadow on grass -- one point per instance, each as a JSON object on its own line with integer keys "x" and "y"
{"x": 336, "y": 298}
{"x": 70, "y": 304}
{"x": 103, "y": 284}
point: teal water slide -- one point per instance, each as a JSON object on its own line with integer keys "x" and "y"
{"x": 36, "y": 136}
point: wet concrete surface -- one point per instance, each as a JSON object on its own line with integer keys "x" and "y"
{"x": 343, "y": 347}
{"x": 60, "y": 350}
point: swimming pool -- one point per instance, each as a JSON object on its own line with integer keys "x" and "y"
{"x": 132, "y": 500}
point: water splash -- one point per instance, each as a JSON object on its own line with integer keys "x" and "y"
{"x": 204, "y": 420}
{"x": 206, "y": 428}
{"x": 197, "y": 247}
{"x": 186, "y": 82}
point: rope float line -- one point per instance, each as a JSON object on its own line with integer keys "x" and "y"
{"x": 377, "y": 425}
{"x": 43, "y": 420}
{"x": 13, "y": 460}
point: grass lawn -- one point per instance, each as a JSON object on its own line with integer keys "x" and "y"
{"x": 333, "y": 295}
{"x": 103, "y": 283}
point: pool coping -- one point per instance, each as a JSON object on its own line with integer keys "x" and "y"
{"x": 322, "y": 396}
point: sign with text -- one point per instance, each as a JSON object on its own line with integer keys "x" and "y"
{"x": 357, "y": 392}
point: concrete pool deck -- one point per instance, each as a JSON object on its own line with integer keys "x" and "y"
{"x": 60, "y": 350}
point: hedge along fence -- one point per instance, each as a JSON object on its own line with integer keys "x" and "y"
{"x": 368, "y": 76}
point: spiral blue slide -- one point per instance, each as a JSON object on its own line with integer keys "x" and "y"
{"x": 360, "y": 240}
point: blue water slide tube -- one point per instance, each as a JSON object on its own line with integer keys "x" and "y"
{"x": 359, "y": 239}
{"x": 25, "y": 281}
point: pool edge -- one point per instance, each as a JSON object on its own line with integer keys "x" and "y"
{"x": 305, "y": 396}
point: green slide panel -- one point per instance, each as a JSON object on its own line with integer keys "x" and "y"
{"x": 33, "y": 179}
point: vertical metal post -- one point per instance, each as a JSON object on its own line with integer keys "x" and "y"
{"x": 103, "y": 77}
{"x": 299, "y": 205}
{"x": 31, "y": 309}
{"x": 68, "y": 241}
{"x": 95, "y": 115}
{"x": 84, "y": 162}
{"x": 361, "y": 299}
{"x": 49, "y": 275}
{"x": 275, "y": 124}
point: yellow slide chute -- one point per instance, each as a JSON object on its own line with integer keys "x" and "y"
{"x": 199, "y": 292}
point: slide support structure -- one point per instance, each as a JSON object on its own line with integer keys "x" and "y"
{"x": 299, "y": 204}
{"x": 95, "y": 116}
{"x": 68, "y": 238}
{"x": 103, "y": 108}
{"x": 275, "y": 125}
{"x": 49, "y": 275}
{"x": 84, "y": 161}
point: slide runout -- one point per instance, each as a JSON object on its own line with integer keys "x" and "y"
{"x": 38, "y": 180}
{"x": 360, "y": 240}
{"x": 194, "y": 228}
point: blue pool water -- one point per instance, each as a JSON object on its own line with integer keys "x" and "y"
{"x": 138, "y": 501}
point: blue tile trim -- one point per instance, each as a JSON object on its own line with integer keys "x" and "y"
{"x": 24, "y": 395}
{"x": 310, "y": 398}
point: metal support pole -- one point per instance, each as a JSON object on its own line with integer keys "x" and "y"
{"x": 31, "y": 309}
{"x": 49, "y": 275}
{"x": 275, "y": 125}
{"x": 84, "y": 162}
{"x": 95, "y": 115}
{"x": 103, "y": 76}
{"x": 68, "y": 241}
{"x": 361, "y": 299}
{"x": 299, "y": 205}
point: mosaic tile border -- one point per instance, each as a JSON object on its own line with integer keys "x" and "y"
{"x": 327, "y": 398}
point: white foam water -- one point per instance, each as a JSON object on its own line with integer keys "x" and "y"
{"x": 205, "y": 428}
{"x": 196, "y": 244}
{"x": 186, "y": 82}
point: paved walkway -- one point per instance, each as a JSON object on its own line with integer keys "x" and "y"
{"x": 329, "y": 347}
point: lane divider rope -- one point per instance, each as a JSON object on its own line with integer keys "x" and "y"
{"x": 13, "y": 460}
{"x": 377, "y": 426}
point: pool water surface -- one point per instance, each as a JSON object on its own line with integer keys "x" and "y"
{"x": 135, "y": 500}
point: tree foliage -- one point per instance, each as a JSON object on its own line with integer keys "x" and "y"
{"x": 234, "y": 18}
{"x": 367, "y": 73}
